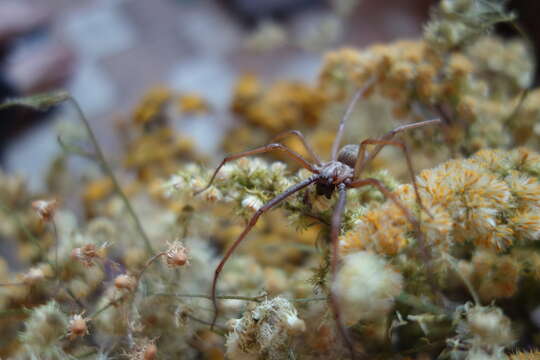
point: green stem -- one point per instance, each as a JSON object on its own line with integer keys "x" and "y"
{"x": 108, "y": 170}
{"x": 465, "y": 280}
{"x": 56, "y": 240}
{"x": 109, "y": 304}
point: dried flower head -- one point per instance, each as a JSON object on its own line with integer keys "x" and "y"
{"x": 125, "y": 282}
{"x": 176, "y": 255}
{"x": 366, "y": 287}
{"x": 88, "y": 254}
{"x": 483, "y": 327}
{"x": 77, "y": 326}
{"x": 33, "y": 276}
{"x": 45, "y": 209}
{"x": 265, "y": 331}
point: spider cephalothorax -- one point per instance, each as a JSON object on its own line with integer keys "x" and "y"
{"x": 342, "y": 172}
{"x": 331, "y": 174}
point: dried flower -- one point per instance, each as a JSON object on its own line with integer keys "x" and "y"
{"x": 489, "y": 326}
{"x": 45, "y": 209}
{"x": 265, "y": 331}
{"x": 478, "y": 199}
{"x": 77, "y": 327}
{"x": 125, "y": 282}
{"x": 176, "y": 255}
{"x": 88, "y": 254}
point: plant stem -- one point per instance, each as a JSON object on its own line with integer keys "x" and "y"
{"x": 419, "y": 304}
{"x": 108, "y": 170}
{"x": 56, "y": 240}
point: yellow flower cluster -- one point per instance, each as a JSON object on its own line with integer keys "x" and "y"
{"x": 455, "y": 23}
{"x": 151, "y": 105}
{"x": 267, "y": 111}
{"x": 472, "y": 91}
{"x": 282, "y": 106}
{"x": 491, "y": 200}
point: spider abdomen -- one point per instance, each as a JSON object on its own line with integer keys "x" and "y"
{"x": 347, "y": 155}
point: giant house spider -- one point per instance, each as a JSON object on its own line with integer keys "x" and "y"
{"x": 342, "y": 172}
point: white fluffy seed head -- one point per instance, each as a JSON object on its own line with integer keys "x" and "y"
{"x": 366, "y": 287}
{"x": 489, "y": 326}
{"x": 265, "y": 331}
{"x": 252, "y": 202}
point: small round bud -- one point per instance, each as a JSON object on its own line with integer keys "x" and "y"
{"x": 77, "y": 327}
{"x": 125, "y": 282}
{"x": 176, "y": 255}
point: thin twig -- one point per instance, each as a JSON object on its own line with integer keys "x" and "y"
{"x": 148, "y": 263}
{"x": 309, "y": 299}
{"x": 465, "y": 280}
{"x": 56, "y": 240}
{"x": 77, "y": 301}
{"x": 221, "y": 327}
{"x": 237, "y": 297}
{"x": 221, "y": 297}
{"x": 419, "y": 304}
{"x": 105, "y": 307}
{"x": 108, "y": 170}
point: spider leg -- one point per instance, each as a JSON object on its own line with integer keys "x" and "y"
{"x": 389, "y": 135}
{"x": 302, "y": 139}
{"x": 357, "y": 95}
{"x": 334, "y": 233}
{"x": 403, "y": 147}
{"x": 260, "y": 150}
{"x": 388, "y": 194}
{"x": 273, "y": 202}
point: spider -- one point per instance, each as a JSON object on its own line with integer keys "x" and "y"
{"x": 342, "y": 172}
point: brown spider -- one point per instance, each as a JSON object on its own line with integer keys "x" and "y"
{"x": 342, "y": 172}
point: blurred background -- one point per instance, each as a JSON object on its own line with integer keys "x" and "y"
{"x": 108, "y": 53}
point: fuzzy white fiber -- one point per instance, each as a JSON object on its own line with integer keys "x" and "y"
{"x": 366, "y": 287}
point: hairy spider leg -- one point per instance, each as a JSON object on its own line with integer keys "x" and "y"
{"x": 302, "y": 138}
{"x": 334, "y": 235}
{"x": 260, "y": 150}
{"x": 388, "y": 194}
{"x": 397, "y": 143}
{"x": 273, "y": 202}
{"x": 357, "y": 95}
{"x": 389, "y": 135}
